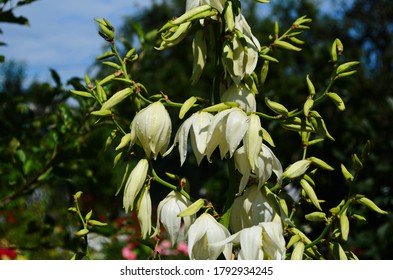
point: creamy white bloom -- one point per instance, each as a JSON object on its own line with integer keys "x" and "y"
{"x": 217, "y": 4}
{"x": 250, "y": 209}
{"x": 134, "y": 184}
{"x": 152, "y": 128}
{"x": 226, "y": 131}
{"x": 197, "y": 126}
{"x": 263, "y": 241}
{"x": 241, "y": 95}
{"x": 267, "y": 163}
{"x": 167, "y": 212}
{"x": 203, "y": 232}
{"x": 144, "y": 213}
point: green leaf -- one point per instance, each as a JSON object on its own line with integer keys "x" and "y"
{"x": 193, "y": 208}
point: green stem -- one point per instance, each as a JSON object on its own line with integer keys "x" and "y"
{"x": 232, "y": 184}
{"x": 169, "y": 185}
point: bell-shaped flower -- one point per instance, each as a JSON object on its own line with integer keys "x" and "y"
{"x": 240, "y": 55}
{"x": 197, "y": 126}
{"x": 152, "y": 128}
{"x": 250, "y": 209}
{"x": 242, "y": 96}
{"x": 167, "y": 212}
{"x": 253, "y": 141}
{"x": 202, "y": 233}
{"x": 267, "y": 163}
{"x": 134, "y": 184}
{"x": 144, "y": 213}
{"x": 263, "y": 241}
{"x": 226, "y": 131}
{"x": 217, "y": 4}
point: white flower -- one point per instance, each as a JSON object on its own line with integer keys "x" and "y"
{"x": 242, "y": 95}
{"x": 167, "y": 212}
{"x": 134, "y": 184}
{"x": 144, "y": 213}
{"x": 239, "y": 58}
{"x": 263, "y": 241}
{"x": 217, "y": 4}
{"x": 250, "y": 209}
{"x": 152, "y": 127}
{"x": 267, "y": 163}
{"x": 253, "y": 141}
{"x": 226, "y": 131}
{"x": 198, "y": 123}
{"x": 204, "y": 231}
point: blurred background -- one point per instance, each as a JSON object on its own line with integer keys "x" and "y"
{"x": 50, "y": 148}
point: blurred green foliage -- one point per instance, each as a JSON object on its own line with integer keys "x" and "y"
{"x": 51, "y": 148}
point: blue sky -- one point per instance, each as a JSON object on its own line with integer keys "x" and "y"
{"x": 62, "y": 34}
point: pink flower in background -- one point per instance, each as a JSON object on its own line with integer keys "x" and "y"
{"x": 182, "y": 247}
{"x": 164, "y": 248}
{"x": 7, "y": 253}
{"x": 128, "y": 252}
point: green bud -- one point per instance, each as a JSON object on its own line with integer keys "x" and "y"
{"x": 298, "y": 251}
{"x": 338, "y": 251}
{"x": 316, "y": 217}
{"x": 266, "y": 137}
{"x": 82, "y": 93}
{"x": 309, "y": 179}
{"x": 276, "y": 107}
{"x": 100, "y": 93}
{"x": 102, "y": 113}
{"x": 301, "y": 20}
{"x": 345, "y": 74}
{"x": 337, "y": 209}
{"x": 310, "y": 193}
{"x": 347, "y": 175}
{"x": 88, "y": 82}
{"x": 358, "y": 218}
{"x": 276, "y": 28}
{"x": 130, "y": 53}
{"x": 356, "y": 162}
{"x": 296, "y": 169}
{"x": 72, "y": 209}
{"x": 294, "y": 239}
{"x": 286, "y": 46}
{"x": 319, "y": 124}
{"x": 96, "y": 223}
{"x": 301, "y": 234}
{"x": 346, "y": 66}
{"x": 112, "y": 64}
{"x": 78, "y": 195}
{"x": 307, "y": 106}
{"x": 320, "y": 163}
{"x": 187, "y": 106}
{"x": 315, "y": 141}
{"x": 82, "y": 232}
{"x": 269, "y": 58}
{"x": 371, "y": 205}
{"x": 109, "y": 33}
{"x": 221, "y": 107}
{"x": 310, "y": 85}
{"x": 116, "y": 98}
{"x": 296, "y": 40}
{"x": 105, "y": 55}
{"x": 117, "y": 158}
{"x": 198, "y": 12}
{"x": 125, "y": 140}
{"x": 88, "y": 215}
{"x": 172, "y": 176}
{"x": 264, "y": 71}
{"x": 333, "y": 52}
{"x": 193, "y": 208}
{"x": 337, "y": 100}
{"x": 344, "y": 225}
{"x": 107, "y": 79}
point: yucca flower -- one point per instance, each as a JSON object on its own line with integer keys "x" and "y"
{"x": 203, "y": 232}
{"x": 250, "y": 209}
{"x": 167, "y": 213}
{"x": 134, "y": 184}
{"x": 242, "y": 96}
{"x": 152, "y": 128}
{"x": 267, "y": 163}
{"x": 144, "y": 213}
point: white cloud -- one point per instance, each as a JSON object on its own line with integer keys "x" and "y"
{"x": 63, "y": 34}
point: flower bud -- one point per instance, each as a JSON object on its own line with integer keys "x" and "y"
{"x": 134, "y": 184}
{"x": 152, "y": 126}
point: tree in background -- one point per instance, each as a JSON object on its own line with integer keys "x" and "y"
{"x": 55, "y": 154}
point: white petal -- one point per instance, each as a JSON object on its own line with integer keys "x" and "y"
{"x": 135, "y": 183}
{"x": 273, "y": 240}
{"x": 236, "y": 127}
{"x": 251, "y": 243}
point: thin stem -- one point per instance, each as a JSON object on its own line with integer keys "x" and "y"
{"x": 169, "y": 185}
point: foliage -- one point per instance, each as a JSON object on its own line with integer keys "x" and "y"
{"x": 56, "y": 145}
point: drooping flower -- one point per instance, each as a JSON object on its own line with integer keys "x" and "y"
{"x": 144, "y": 213}
{"x": 152, "y": 128}
{"x": 263, "y": 241}
{"x": 202, "y": 233}
{"x": 226, "y": 131}
{"x": 197, "y": 126}
{"x": 134, "y": 184}
{"x": 241, "y": 95}
{"x": 267, "y": 163}
{"x": 217, "y": 4}
{"x": 250, "y": 209}
{"x": 167, "y": 212}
